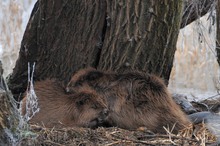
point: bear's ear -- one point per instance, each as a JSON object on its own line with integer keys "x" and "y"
{"x": 93, "y": 75}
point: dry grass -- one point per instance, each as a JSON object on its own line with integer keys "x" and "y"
{"x": 116, "y": 136}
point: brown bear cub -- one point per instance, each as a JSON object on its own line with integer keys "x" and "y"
{"x": 57, "y": 109}
{"x": 134, "y": 99}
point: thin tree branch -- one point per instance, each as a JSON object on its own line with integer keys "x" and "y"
{"x": 194, "y": 9}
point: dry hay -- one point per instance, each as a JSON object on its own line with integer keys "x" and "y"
{"x": 115, "y": 136}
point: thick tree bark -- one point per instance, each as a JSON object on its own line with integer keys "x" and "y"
{"x": 141, "y": 35}
{"x": 61, "y": 37}
{"x": 64, "y": 36}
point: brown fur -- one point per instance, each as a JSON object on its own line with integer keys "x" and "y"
{"x": 58, "y": 109}
{"x": 135, "y": 99}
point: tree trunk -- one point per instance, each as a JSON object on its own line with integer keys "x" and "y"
{"x": 61, "y": 37}
{"x": 64, "y": 36}
{"x": 141, "y": 35}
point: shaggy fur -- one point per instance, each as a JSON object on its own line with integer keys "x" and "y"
{"x": 58, "y": 109}
{"x": 134, "y": 99}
